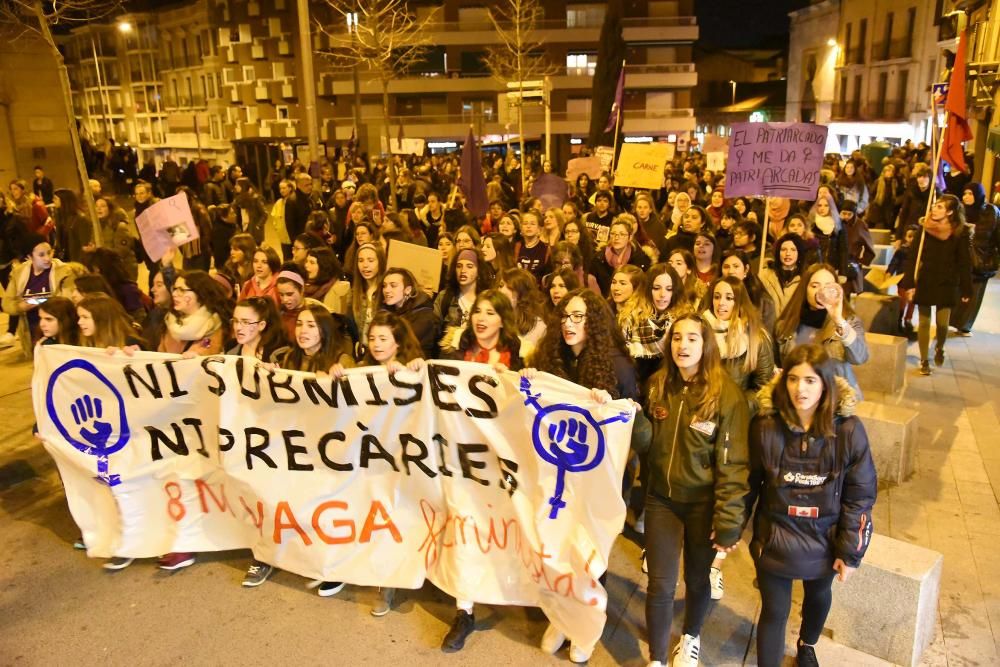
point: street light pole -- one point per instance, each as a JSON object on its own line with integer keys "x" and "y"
{"x": 308, "y": 80}
{"x": 352, "y": 28}
{"x": 733, "y": 84}
{"x": 105, "y": 110}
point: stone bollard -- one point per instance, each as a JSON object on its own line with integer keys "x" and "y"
{"x": 878, "y": 312}
{"x": 881, "y": 236}
{"x": 888, "y": 607}
{"x": 886, "y": 366}
{"x": 892, "y": 437}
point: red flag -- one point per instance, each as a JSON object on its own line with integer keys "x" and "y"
{"x": 616, "y": 107}
{"x": 958, "y": 126}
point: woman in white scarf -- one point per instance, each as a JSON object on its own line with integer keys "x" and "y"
{"x": 198, "y": 322}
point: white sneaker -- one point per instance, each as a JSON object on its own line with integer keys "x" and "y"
{"x": 578, "y": 655}
{"x": 552, "y": 640}
{"x": 7, "y": 340}
{"x": 640, "y": 523}
{"x": 686, "y": 653}
{"x": 655, "y": 663}
{"x": 715, "y": 579}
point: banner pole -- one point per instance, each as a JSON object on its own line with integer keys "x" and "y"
{"x": 763, "y": 243}
{"x": 618, "y": 123}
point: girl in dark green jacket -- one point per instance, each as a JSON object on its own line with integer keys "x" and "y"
{"x": 698, "y": 481}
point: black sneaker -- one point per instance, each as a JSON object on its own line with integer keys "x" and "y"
{"x": 329, "y": 588}
{"x": 925, "y": 367}
{"x": 939, "y": 357}
{"x": 257, "y": 574}
{"x": 806, "y": 656}
{"x": 461, "y": 628}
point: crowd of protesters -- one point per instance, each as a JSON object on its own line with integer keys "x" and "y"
{"x": 743, "y": 369}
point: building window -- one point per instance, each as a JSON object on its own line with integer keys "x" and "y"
{"x": 278, "y": 70}
{"x": 248, "y": 73}
{"x": 585, "y": 16}
{"x": 581, "y": 64}
{"x": 862, "y": 38}
{"x": 274, "y": 26}
{"x": 281, "y": 112}
{"x": 253, "y": 8}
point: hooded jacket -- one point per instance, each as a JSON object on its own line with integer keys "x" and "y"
{"x": 813, "y": 495}
{"x": 694, "y": 462}
{"x": 986, "y": 241}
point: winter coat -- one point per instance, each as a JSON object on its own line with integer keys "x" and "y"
{"x": 698, "y": 462}
{"x": 913, "y": 208}
{"x": 780, "y": 296}
{"x": 945, "y": 269}
{"x": 253, "y": 214}
{"x": 419, "y": 313}
{"x": 15, "y": 288}
{"x": 813, "y": 495}
{"x": 986, "y": 241}
{"x": 604, "y": 272}
{"x": 116, "y": 236}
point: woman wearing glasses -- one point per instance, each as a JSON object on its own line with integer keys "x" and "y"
{"x": 257, "y": 330}
{"x": 619, "y": 252}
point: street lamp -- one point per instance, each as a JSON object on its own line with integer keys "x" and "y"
{"x": 124, "y": 27}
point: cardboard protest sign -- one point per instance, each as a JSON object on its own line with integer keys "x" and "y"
{"x": 715, "y": 161}
{"x": 641, "y": 166}
{"x": 496, "y": 488}
{"x": 591, "y": 166}
{"x": 423, "y": 262}
{"x": 550, "y": 189}
{"x": 714, "y": 143}
{"x": 606, "y": 154}
{"x": 775, "y": 159}
{"x": 166, "y": 224}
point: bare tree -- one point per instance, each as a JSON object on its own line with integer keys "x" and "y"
{"x": 519, "y": 57}
{"x": 384, "y": 38}
{"x": 24, "y": 18}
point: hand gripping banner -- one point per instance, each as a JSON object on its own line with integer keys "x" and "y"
{"x": 497, "y": 488}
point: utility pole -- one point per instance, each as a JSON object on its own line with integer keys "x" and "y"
{"x": 308, "y": 80}
{"x": 352, "y": 27}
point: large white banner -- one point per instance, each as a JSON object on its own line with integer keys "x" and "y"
{"x": 496, "y": 488}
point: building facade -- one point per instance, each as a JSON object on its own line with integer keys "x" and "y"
{"x": 813, "y": 56}
{"x": 195, "y": 77}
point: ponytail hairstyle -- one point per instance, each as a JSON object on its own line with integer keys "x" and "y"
{"x": 706, "y": 388}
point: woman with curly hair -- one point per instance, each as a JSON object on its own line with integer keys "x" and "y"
{"x": 491, "y": 335}
{"x": 529, "y": 308}
{"x": 698, "y": 480}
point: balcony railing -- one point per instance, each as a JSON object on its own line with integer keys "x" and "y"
{"x": 896, "y": 48}
{"x": 881, "y": 110}
{"x": 552, "y": 24}
{"x": 854, "y": 55}
{"x": 462, "y": 120}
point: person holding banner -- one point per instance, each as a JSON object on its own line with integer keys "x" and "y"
{"x": 807, "y": 443}
{"x": 467, "y": 277}
{"x": 266, "y": 264}
{"x": 364, "y": 288}
{"x": 529, "y": 310}
{"x": 198, "y": 323}
{"x": 321, "y": 340}
{"x": 491, "y": 336}
{"x": 938, "y": 274}
{"x": 817, "y": 312}
{"x": 698, "y": 482}
{"x": 257, "y": 330}
{"x": 401, "y": 295}
{"x": 57, "y": 322}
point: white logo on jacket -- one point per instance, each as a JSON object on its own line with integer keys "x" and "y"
{"x": 801, "y": 479}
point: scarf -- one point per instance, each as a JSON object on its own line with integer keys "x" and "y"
{"x": 942, "y": 231}
{"x": 812, "y": 318}
{"x": 825, "y": 223}
{"x": 617, "y": 261}
{"x": 482, "y": 356}
{"x": 723, "y": 337}
{"x": 197, "y": 326}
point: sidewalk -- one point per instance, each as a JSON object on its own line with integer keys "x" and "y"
{"x": 58, "y": 606}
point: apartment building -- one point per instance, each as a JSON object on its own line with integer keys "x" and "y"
{"x": 812, "y": 65}
{"x": 220, "y": 78}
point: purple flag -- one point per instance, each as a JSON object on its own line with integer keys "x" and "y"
{"x": 616, "y": 107}
{"x": 472, "y": 181}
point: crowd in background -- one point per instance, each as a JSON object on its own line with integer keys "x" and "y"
{"x": 659, "y": 297}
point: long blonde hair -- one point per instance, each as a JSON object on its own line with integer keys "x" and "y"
{"x": 745, "y": 321}
{"x": 637, "y": 308}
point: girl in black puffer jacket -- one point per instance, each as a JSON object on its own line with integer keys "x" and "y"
{"x": 814, "y": 484}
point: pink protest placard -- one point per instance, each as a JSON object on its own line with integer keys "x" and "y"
{"x": 166, "y": 224}
{"x": 775, "y": 159}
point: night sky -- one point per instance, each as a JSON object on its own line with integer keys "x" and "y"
{"x": 744, "y": 24}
